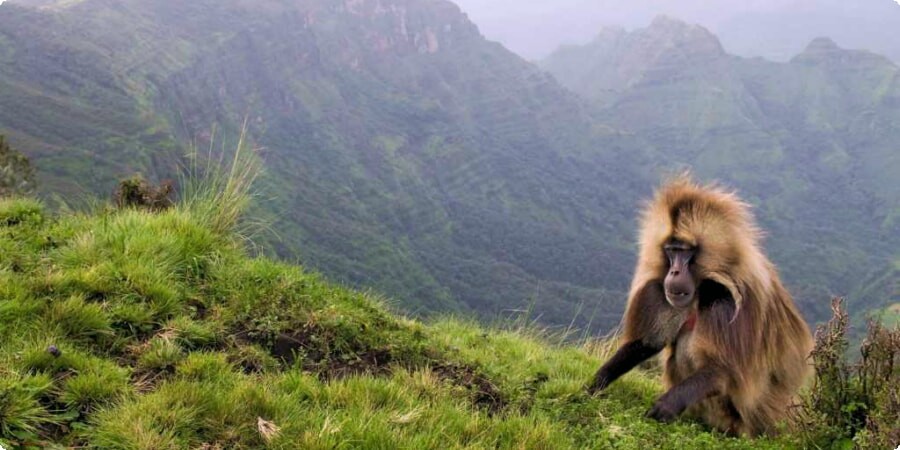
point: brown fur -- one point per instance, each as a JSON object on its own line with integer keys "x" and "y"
{"x": 749, "y": 346}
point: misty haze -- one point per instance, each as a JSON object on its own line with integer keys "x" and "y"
{"x": 774, "y": 29}
{"x": 427, "y": 224}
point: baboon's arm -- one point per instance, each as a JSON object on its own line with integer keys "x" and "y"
{"x": 629, "y": 355}
{"x": 703, "y": 384}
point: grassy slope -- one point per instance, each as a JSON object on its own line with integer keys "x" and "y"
{"x": 172, "y": 337}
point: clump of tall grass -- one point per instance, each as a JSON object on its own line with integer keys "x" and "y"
{"x": 216, "y": 190}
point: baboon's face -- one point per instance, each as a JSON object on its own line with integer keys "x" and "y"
{"x": 679, "y": 284}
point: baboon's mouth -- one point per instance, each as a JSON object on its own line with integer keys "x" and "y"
{"x": 678, "y": 298}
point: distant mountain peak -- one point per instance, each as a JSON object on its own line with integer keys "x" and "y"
{"x": 822, "y": 43}
{"x": 823, "y": 50}
{"x": 617, "y": 59}
{"x": 672, "y": 32}
{"x": 663, "y": 20}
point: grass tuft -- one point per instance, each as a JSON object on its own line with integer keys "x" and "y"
{"x": 22, "y": 416}
{"x": 16, "y": 211}
{"x": 160, "y": 354}
{"x": 216, "y": 192}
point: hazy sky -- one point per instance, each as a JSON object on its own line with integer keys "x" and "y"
{"x": 534, "y": 28}
{"x": 775, "y": 29}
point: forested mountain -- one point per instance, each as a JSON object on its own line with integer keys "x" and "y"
{"x": 814, "y": 142}
{"x": 406, "y": 153}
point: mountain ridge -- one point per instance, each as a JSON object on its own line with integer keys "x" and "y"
{"x": 407, "y": 154}
{"x": 802, "y": 138}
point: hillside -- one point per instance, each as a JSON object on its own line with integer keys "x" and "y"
{"x": 132, "y": 330}
{"x": 812, "y": 142}
{"x": 404, "y": 152}
{"x": 407, "y": 154}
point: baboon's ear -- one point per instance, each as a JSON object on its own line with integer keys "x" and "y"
{"x": 720, "y": 287}
{"x": 709, "y": 292}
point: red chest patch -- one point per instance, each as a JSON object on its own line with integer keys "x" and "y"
{"x": 690, "y": 323}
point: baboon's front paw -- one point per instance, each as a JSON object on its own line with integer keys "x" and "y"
{"x": 596, "y": 387}
{"x": 662, "y": 412}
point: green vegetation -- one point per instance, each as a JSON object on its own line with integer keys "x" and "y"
{"x": 461, "y": 180}
{"x": 141, "y": 327}
{"x": 406, "y": 154}
{"x": 859, "y": 400}
{"x": 136, "y": 329}
{"x": 16, "y": 171}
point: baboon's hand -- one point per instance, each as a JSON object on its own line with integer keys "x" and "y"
{"x": 662, "y": 412}
{"x": 597, "y": 385}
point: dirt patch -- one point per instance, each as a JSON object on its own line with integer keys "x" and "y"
{"x": 485, "y": 394}
{"x": 370, "y": 362}
{"x": 308, "y": 345}
{"x": 313, "y": 351}
{"x": 304, "y": 343}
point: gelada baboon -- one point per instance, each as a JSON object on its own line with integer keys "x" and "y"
{"x": 734, "y": 346}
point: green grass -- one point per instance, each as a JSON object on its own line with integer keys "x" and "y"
{"x": 170, "y": 336}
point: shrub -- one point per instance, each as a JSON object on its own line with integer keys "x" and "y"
{"x": 136, "y": 192}
{"x": 880, "y": 375}
{"x": 853, "y": 403}
{"x": 16, "y": 171}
